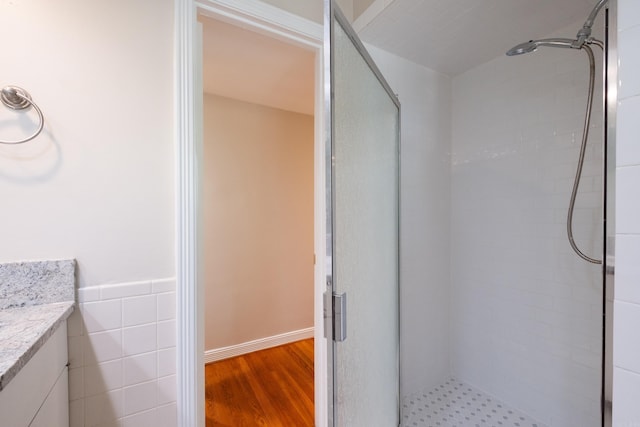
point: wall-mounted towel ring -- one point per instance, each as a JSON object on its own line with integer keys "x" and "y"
{"x": 17, "y": 98}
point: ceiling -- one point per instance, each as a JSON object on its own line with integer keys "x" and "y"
{"x": 449, "y": 36}
{"x": 248, "y": 66}
{"x": 453, "y": 36}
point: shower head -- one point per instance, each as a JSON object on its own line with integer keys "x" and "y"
{"x": 533, "y": 45}
{"x": 583, "y": 36}
{"x": 522, "y": 48}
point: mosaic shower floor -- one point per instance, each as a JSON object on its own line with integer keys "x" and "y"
{"x": 455, "y": 404}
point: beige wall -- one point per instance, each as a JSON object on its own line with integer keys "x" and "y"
{"x": 258, "y": 221}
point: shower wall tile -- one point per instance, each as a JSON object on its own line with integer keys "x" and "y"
{"x": 628, "y": 62}
{"x": 628, "y": 268}
{"x": 122, "y": 363}
{"x": 626, "y": 411}
{"x": 526, "y": 324}
{"x": 629, "y": 14}
{"x": 626, "y": 346}
{"x": 425, "y": 214}
{"x": 627, "y": 132}
{"x": 626, "y": 353}
{"x": 627, "y": 200}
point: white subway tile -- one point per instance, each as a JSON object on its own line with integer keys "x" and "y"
{"x": 123, "y": 290}
{"x": 117, "y": 357}
{"x": 167, "y": 415}
{"x": 167, "y": 306}
{"x": 626, "y": 336}
{"x": 627, "y": 268}
{"x": 627, "y": 131}
{"x": 139, "y": 310}
{"x": 166, "y": 334}
{"x": 626, "y": 389}
{"x": 167, "y": 390}
{"x": 141, "y": 419}
{"x": 75, "y": 347}
{"x": 74, "y": 323}
{"x": 629, "y": 62}
{"x": 102, "y": 378}
{"x": 628, "y": 14}
{"x": 524, "y": 322}
{"x": 627, "y": 200}
{"x": 139, "y": 339}
{"x": 102, "y": 315}
{"x": 76, "y": 413}
{"x": 164, "y": 285}
{"x": 89, "y": 294}
{"x": 589, "y": 358}
{"x": 166, "y": 362}
{"x": 140, "y": 368}
{"x": 103, "y": 409}
{"x": 140, "y": 397}
{"x": 76, "y": 383}
{"x": 102, "y": 347}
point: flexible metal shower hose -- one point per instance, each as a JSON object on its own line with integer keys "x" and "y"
{"x": 585, "y": 136}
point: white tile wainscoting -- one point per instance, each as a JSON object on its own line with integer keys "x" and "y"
{"x": 122, "y": 355}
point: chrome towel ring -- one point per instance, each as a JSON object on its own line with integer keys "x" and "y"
{"x": 17, "y": 98}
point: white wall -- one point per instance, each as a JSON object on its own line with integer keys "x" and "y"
{"x": 626, "y": 336}
{"x": 97, "y": 185}
{"x": 425, "y": 98}
{"x": 526, "y": 311}
{"x": 258, "y": 221}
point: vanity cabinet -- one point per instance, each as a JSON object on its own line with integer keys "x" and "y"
{"x": 38, "y": 395}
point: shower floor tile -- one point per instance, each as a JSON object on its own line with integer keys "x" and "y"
{"x": 455, "y": 404}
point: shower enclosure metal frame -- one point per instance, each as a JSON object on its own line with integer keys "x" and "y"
{"x": 609, "y": 174}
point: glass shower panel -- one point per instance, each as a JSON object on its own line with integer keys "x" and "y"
{"x": 365, "y": 238}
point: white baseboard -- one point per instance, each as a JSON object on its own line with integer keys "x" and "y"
{"x": 255, "y": 345}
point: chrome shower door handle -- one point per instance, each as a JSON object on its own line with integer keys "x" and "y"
{"x": 339, "y": 317}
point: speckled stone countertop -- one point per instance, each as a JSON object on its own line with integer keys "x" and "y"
{"x": 35, "y": 299}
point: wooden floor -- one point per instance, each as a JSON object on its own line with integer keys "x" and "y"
{"x": 272, "y": 387}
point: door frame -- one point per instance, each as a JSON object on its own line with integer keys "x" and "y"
{"x": 273, "y": 22}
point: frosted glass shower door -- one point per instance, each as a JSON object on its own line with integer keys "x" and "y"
{"x": 363, "y": 231}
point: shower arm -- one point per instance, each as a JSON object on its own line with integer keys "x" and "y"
{"x": 584, "y": 34}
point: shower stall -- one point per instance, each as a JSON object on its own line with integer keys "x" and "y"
{"x": 527, "y": 295}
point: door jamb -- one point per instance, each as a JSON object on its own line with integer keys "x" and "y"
{"x": 288, "y": 27}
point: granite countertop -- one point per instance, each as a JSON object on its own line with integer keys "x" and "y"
{"x": 23, "y": 331}
{"x": 35, "y": 299}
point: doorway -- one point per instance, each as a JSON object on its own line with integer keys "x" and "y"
{"x": 257, "y": 198}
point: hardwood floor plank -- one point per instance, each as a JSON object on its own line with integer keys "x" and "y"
{"x": 272, "y": 387}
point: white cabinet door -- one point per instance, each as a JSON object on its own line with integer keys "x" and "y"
{"x": 54, "y": 412}
{"x": 24, "y": 395}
